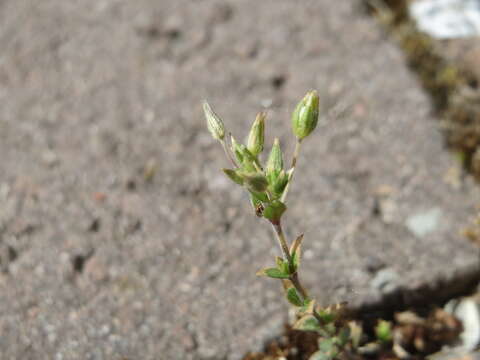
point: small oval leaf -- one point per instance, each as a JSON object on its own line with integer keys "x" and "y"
{"x": 307, "y": 323}
{"x": 293, "y": 297}
{"x": 273, "y": 273}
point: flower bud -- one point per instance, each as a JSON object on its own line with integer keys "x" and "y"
{"x": 214, "y": 123}
{"x": 305, "y": 116}
{"x": 275, "y": 160}
{"x": 248, "y": 159}
{"x": 256, "y": 135}
{"x": 255, "y": 181}
{"x": 236, "y": 149}
{"x": 280, "y": 182}
{"x": 232, "y": 174}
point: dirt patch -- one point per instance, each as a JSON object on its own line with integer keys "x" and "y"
{"x": 416, "y": 335}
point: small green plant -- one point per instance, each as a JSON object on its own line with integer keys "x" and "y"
{"x": 383, "y": 332}
{"x": 268, "y": 185}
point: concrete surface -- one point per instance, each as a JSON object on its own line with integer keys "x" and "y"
{"x": 98, "y": 263}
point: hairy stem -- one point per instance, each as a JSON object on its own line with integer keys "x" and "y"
{"x": 298, "y": 286}
{"x": 294, "y": 164}
{"x": 277, "y": 227}
{"x": 288, "y": 257}
{"x": 229, "y": 155}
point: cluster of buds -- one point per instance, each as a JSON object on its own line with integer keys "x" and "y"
{"x": 267, "y": 185}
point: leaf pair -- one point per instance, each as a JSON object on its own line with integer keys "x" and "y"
{"x": 282, "y": 271}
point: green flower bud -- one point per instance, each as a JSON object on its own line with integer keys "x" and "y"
{"x": 256, "y": 135}
{"x": 305, "y": 116}
{"x": 280, "y": 183}
{"x": 248, "y": 159}
{"x": 255, "y": 182}
{"x": 232, "y": 174}
{"x": 236, "y": 149}
{"x": 275, "y": 160}
{"x": 214, "y": 123}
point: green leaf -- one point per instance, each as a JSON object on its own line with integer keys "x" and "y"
{"x": 259, "y": 196}
{"x": 295, "y": 250}
{"x": 254, "y": 181}
{"x": 232, "y": 174}
{"x": 274, "y": 210}
{"x": 318, "y": 355}
{"x": 328, "y": 347}
{"x": 273, "y": 273}
{"x": 293, "y": 297}
{"x": 296, "y": 260}
{"x": 296, "y": 244}
{"x": 282, "y": 265}
{"x": 307, "y": 323}
{"x": 343, "y": 336}
{"x": 326, "y": 315}
{"x": 383, "y": 331}
{"x": 308, "y": 306}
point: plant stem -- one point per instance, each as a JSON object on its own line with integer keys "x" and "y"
{"x": 229, "y": 155}
{"x": 298, "y": 286}
{"x": 277, "y": 227}
{"x": 292, "y": 170}
{"x": 287, "y": 256}
{"x": 257, "y": 166}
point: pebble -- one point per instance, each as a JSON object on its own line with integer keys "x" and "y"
{"x": 385, "y": 280}
{"x": 467, "y": 310}
{"x": 424, "y": 223}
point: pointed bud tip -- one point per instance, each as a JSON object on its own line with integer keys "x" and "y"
{"x": 261, "y": 116}
{"x": 256, "y": 137}
{"x": 214, "y": 123}
{"x": 275, "y": 160}
{"x": 312, "y": 96}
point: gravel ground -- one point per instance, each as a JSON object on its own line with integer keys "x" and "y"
{"x": 101, "y": 261}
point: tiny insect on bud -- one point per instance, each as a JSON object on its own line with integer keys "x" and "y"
{"x": 214, "y": 123}
{"x": 305, "y": 116}
{"x": 257, "y": 134}
{"x": 275, "y": 160}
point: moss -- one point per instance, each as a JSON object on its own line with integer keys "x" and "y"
{"x": 449, "y": 85}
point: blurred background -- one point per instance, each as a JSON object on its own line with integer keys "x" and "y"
{"x": 120, "y": 238}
